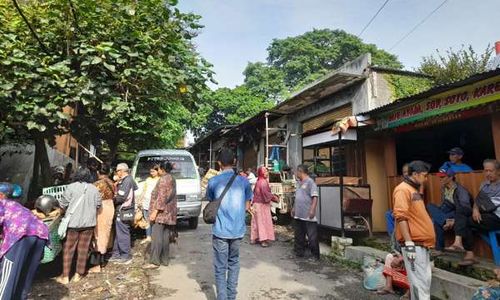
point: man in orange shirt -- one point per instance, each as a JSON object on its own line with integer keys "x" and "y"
{"x": 414, "y": 230}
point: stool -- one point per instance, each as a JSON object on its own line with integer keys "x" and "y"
{"x": 491, "y": 239}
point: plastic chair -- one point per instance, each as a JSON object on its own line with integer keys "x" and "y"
{"x": 492, "y": 241}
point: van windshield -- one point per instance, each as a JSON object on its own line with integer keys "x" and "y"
{"x": 183, "y": 166}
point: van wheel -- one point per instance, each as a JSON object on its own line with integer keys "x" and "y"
{"x": 193, "y": 223}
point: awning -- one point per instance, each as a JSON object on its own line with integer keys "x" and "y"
{"x": 467, "y": 97}
{"x": 327, "y": 137}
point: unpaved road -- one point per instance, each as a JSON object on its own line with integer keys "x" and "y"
{"x": 266, "y": 273}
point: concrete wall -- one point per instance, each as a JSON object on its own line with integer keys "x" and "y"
{"x": 376, "y": 176}
{"x": 16, "y": 163}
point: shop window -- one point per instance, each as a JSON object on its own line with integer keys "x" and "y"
{"x": 325, "y": 161}
{"x": 474, "y": 136}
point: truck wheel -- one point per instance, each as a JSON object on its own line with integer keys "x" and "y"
{"x": 193, "y": 223}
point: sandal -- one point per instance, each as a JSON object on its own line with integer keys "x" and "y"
{"x": 264, "y": 244}
{"x": 454, "y": 248}
{"x": 468, "y": 262}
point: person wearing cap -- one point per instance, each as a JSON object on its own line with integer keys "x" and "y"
{"x": 124, "y": 198}
{"x": 454, "y": 197}
{"x": 414, "y": 230}
{"x": 24, "y": 238}
{"x": 479, "y": 219}
{"x": 455, "y": 163}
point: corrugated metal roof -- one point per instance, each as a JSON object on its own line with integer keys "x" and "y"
{"x": 317, "y": 90}
{"x": 400, "y": 71}
{"x": 433, "y": 91}
{"x": 221, "y": 130}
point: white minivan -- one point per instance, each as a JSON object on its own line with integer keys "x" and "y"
{"x": 186, "y": 177}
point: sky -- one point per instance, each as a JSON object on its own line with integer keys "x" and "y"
{"x": 239, "y": 31}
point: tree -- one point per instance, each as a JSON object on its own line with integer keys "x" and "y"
{"x": 226, "y": 106}
{"x": 301, "y": 59}
{"x": 291, "y": 64}
{"x": 128, "y": 68}
{"x": 265, "y": 81}
{"x": 454, "y": 65}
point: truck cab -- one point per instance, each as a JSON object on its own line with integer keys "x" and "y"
{"x": 186, "y": 177}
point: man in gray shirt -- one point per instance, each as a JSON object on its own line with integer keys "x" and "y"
{"x": 483, "y": 221}
{"x": 304, "y": 213}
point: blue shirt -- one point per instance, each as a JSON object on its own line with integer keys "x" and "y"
{"x": 230, "y": 220}
{"x": 457, "y": 168}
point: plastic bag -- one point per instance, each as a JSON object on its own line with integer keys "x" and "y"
{"x": 373, "y": 279}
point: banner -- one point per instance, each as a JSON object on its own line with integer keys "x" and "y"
{"x": 466, "y": 97}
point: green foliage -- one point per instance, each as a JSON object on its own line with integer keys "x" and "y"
{"x": 403, "y": 86}
{"x": 128, "y": 68}
{"x": 302, "y": 59}
{"x": 453, "y": 65}
{"x": 227, "y": 106}
{"x": 265, "y": 81}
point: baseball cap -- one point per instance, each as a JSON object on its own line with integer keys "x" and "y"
{"x": 456, "y": 150}
{"x": 446, "y": 173}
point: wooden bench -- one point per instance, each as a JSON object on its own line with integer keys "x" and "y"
{"x": 471, "y": 182}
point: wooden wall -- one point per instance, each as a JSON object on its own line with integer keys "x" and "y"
{"x": 470, "y": 181}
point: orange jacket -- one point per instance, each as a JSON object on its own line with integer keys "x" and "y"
{"x": 409, "y": 206}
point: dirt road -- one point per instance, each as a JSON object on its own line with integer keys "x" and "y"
{"x": 266, "y": 273}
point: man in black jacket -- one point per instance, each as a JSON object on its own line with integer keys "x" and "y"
{"x": 124, "y": 198}
{"x": 454, "y": 198}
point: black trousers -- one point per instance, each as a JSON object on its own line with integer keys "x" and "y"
{"x": 160, "y": 244}
{"x": 303, "y": 228}
{"x": 464, "y": 225}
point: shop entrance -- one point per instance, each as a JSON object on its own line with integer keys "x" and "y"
{"x": 474, "y": 136}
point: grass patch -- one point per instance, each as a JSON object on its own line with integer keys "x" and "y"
{"x": 348, "y": 264}
{"x": 373, "y": 243}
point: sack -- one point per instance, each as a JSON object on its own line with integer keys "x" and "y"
{"x": 485, "y": 204}
{"x": 373, "y": 277}
{"x": 63, "y": 226}
{"x": 211, "y": 209}
{"x": 127, "y": 214}
{"x": 51, "y": 252}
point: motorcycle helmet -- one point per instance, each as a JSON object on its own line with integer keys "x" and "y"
{"x": 46, "y": 204}
{"x": 17, "y": 191}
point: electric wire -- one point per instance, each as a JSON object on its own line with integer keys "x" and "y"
{"x": 418, "y": 25}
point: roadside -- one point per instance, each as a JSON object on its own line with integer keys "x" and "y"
{"x": 116, "y": 282}
{"x": 270, "y": 273}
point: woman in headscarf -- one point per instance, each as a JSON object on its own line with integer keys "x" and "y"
{"x": 262, "y": 223}
{"x": 105, "y": 216}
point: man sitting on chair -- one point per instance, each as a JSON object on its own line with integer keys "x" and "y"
{"x": 481, "y": 219}
{"x": 454, "y": 197}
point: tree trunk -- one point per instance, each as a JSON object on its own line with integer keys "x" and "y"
{"x": 34, "y": 189}
{"x": 43, "y": 160}
{"x": 113, "y": 150}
